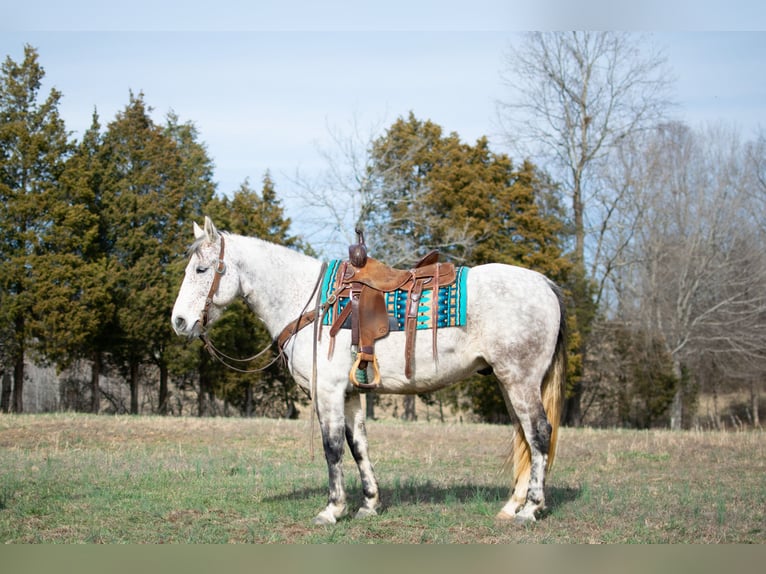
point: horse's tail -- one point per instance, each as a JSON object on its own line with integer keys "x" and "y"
{"x": 554, "y": 383}
{"x": 553, "y": 388}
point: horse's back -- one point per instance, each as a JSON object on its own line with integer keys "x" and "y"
{"x": 514, "y": 311}
{"x": 518, "y": 287}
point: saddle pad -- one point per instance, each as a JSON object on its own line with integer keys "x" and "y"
{"x": 451, "y": 300}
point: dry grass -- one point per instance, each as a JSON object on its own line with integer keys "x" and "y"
{"x": 79, "y": 478}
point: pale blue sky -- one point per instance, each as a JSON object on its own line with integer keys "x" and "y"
{"x": 265, "y": 82}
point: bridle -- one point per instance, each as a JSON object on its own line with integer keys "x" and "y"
{"x": 216, "y": 353}
{"x": 281, "y": 341}
{"x": 219, "y": 271}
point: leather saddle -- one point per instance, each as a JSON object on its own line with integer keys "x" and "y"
{"x": 365, "y": 281}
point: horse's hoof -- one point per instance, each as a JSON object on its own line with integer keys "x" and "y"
{"x": 527, "y": 514}
{"x": 523, "y": 519}
{"x": 323, "y": 519}
{"x": 519, "y": 519}
{"x": 365, "y": 512}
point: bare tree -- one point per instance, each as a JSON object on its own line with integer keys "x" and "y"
{"x": 574, "y": 97}
{"x": 698, "y": 278}
{"x": 329, "y": 203}
{"x": 756, "y": 158}
{"x": 619, "y": 210}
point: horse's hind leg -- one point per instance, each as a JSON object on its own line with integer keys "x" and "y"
{"x": 521, "y": 478}
{"x": 356, "y": 436}
{"x": 533, "y": 439}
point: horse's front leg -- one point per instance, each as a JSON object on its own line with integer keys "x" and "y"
{"x": 332, "y": 425}
{"x": 356, "y": 436}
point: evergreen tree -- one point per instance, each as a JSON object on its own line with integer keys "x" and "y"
{"x": 75, "y": 317}
{"x": 33, "y": 148}
{"x": 196, "y": 168}
{"x": 470, "y": 202}
{"x": 153, "y": 180}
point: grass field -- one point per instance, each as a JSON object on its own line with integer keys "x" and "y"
{"x": 69, "y": 478}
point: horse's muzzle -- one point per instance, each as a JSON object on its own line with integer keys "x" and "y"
{"x": 182, "y": 328}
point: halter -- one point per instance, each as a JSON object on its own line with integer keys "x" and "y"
{"x": 219, "y": 271}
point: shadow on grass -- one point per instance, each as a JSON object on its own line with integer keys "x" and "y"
{"x": 426, "y": 492}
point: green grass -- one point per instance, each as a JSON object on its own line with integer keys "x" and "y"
{"x": 69, "y": 478}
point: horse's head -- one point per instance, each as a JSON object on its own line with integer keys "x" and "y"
{"x": 209, "y": 283}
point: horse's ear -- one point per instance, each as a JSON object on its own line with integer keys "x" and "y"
{"x": 210, "y": 231}
{"x": 198, "y": 233}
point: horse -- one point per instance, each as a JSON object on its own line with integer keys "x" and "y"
{"x": 515, "y": 325}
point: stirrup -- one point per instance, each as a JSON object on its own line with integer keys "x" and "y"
{"x": 355, "y": 368}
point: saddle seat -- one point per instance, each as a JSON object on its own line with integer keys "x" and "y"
{"x": 381, "y": 277}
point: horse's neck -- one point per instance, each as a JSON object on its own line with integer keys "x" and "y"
{"x": 276, "y": 282}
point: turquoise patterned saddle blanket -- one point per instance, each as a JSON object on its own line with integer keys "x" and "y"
{"x": 451, "y": 301}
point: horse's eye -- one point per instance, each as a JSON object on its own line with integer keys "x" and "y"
{"x": 201, "y": 269}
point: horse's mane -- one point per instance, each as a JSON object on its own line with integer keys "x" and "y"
{"x": 195, "y": 247}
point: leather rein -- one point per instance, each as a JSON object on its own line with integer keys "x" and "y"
{"x": 280, "y": 341}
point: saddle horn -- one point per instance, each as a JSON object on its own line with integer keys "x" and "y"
{"x": 357, "y": 252}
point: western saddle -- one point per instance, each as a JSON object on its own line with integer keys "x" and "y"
{"x": 365, "y": 281}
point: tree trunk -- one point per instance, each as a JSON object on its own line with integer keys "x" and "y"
{"x": 573, "y": 401}
{"x": 676, "y": 411}
{"x": 369, "y": 406}
{"x": 409, "y": 408}
{"x": 201, "y": 407}
{"x": 133, "y": 387}
{"x": 677, "y": 406}
{"x": 716, "y": 412}
{"x": 249, "y": 400}
{"x": 584, "y": 312}
{"x": 18, "y": 382}
{"x": 441, "y": 410}
{"x": 201, "y": 397}
{"x": 212, "y": 406}
{"x": 572, "y": 406}
{"x": 579, "y": 222}
{"x": 163, "y": 404}
{"x": 5, "y": 393}
{"x": 95, "y": 390}
{"x": 17, "y": 400}
{"x": 754, "y": 402}
{"x": 204, "y": 383}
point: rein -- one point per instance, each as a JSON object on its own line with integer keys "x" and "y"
{"x": 223, "y": 358}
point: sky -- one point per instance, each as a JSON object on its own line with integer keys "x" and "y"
{"x": 268, "y": 83}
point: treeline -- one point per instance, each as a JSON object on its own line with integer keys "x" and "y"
{"x": 660, "y": 254}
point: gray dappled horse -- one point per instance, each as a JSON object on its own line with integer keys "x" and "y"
{"x": 515, "y": 325}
